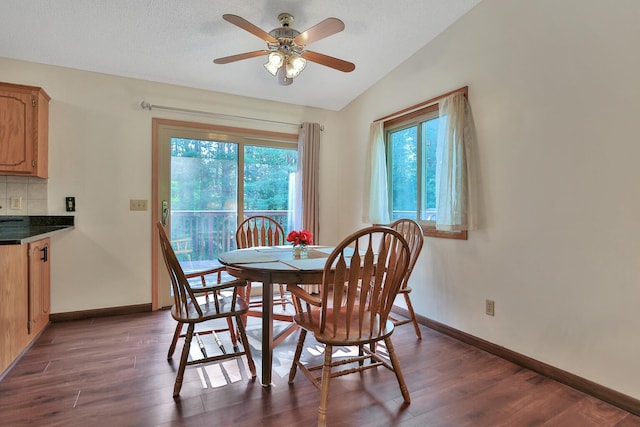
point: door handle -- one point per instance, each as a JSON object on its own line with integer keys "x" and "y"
{"x": 165, "y": 212}
{"x": 45, "y": 254}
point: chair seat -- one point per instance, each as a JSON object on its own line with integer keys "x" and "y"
{"x": 210, "y": 311}
{"x": 337, "y": 332}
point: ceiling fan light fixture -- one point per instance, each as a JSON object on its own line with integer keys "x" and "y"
{"x": 271, "y": 68}
{"x": 294, "y": 65}
{"x": 276, "y": 58}
{"x": 286, "y": 47}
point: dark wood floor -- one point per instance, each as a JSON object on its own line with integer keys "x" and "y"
{"x": 114, "y": 372}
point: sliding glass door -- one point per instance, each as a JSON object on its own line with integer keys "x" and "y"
{"x": 203, "y": 198}
{"x": 207, "y": 180}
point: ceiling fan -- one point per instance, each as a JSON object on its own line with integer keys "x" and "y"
{"x": 285, "y": 51}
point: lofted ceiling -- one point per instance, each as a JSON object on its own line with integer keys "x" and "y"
{"x": 173, "y": 41}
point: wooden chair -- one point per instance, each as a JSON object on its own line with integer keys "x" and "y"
{"x": 190, "y": 309}
{"x": 361, "y": 279}
{"x": 412, "y": 233}
{"x": 260, "y": 230}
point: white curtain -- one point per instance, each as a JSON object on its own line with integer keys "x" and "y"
{"x": 307, "y": 195}
{"x": 376, "y": 197}
{"x": 454, "y": 185}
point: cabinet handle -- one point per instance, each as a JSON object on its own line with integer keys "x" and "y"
{"x": 45, "y": 254}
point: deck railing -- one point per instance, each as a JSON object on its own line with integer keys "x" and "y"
{"x": 213, "y": 231}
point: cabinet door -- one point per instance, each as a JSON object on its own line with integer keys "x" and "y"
{"x": 16, "y": 132}
{"x": 14, "y": 303}
{"x": 39, "y": 285}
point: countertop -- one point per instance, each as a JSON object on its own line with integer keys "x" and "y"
{"x": 17, "y": 230}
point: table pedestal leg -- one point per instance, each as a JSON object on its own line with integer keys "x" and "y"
{"x": 267, "y": 330}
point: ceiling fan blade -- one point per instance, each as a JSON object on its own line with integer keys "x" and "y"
{"x": 319, "y": 31}
{"x": 248, "y": 26}
{"x": 240, "y": 56}
{"x": 328, "y": 61}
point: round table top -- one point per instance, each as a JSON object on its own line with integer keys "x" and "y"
{"x": 276, "y": 264}
{"x": 277, "y": 258}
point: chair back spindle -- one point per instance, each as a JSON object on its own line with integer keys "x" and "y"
{"x": 259, "y": 230}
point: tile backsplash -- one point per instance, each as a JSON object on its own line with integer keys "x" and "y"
{"x": 21, "y": 195}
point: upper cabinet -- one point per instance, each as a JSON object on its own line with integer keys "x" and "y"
{"x": 24, "y": 130}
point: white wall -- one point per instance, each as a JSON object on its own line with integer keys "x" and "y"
{"x": 554, "y": 88}
{"x": 100, "y": 152}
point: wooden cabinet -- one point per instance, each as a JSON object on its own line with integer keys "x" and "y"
{"x": 24, "y": 296}
{"x": 14, "y": 303}
{"x": 24, "y": 130}
{"x": 39, "y": 285}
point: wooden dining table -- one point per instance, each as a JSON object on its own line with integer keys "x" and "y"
{"x": 270, "y": 265}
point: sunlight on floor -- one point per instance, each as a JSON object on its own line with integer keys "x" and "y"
{"x": 222, "y": 373}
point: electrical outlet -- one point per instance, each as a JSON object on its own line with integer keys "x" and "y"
{"x": 490, "y": 307}
{"x": 137, "y": 205}
{"x": 15, "y": 203}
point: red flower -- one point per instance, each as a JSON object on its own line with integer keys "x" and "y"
{"x": 302, "y": 237}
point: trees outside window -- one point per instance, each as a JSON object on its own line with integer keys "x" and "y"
{"x": 411, "y": 154}
{"x": 210, "y": 179}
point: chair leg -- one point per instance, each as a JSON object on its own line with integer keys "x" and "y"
{"x": 324, "y": 391}
{"x": 183, "y": 360}
{"x": 282, "y": 300}
{"x": 296, "y": 356}
{"x": 246, "y": 294}
{"x": 232, "y": 332}
{"x": 176, "y": 336}
{"x": 247, "y": 348}
{"x": 397, "y": 370}
{"x": 412, "y": 315}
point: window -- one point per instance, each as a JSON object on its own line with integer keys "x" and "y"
{"x": 411, "y": 150}
{"x": 411, "y": 143}
{"x": 217, "y": 178}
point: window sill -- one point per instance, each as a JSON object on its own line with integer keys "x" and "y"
{"x": 432, "y": 232}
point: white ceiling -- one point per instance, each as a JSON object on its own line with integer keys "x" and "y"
{"x": 175, "y": 41}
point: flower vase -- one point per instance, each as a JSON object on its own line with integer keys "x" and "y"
{"x": 300, "y": 251}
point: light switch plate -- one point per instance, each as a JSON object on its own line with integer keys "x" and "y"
{"x": 137, "y": 205}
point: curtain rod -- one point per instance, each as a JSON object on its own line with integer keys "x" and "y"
{"x": 147, "y": 106}
{"x": 464, "y": 90}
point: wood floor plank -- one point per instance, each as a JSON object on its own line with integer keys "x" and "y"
{"x": 114, "y": 372}
{"x": 587, "y": 412}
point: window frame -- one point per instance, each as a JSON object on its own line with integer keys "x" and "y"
{"x": 401, "y": 120}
